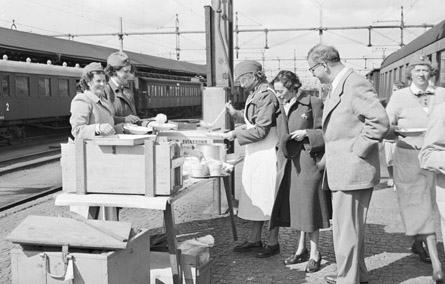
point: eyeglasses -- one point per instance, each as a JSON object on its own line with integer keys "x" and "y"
{"x": 312, "y": 69}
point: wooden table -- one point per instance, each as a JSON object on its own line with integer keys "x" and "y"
{"x": 164, "y": 203}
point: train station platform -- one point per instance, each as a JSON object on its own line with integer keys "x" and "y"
{"x": 388, "y": 255}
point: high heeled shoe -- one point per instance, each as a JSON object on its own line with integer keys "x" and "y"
{"x": 313, "y": 265}
{"x": 438, "y": 277}
{"x": 297, "y": 258}
{"x": 417, "y": 248}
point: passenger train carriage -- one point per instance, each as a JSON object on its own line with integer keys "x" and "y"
{"x": 41, "y": 94}
{"x": 431, "y": 44}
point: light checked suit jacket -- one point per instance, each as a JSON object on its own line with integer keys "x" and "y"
{"x": 354, "y": 121}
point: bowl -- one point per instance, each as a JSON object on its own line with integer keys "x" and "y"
{"x": 162, "y": 126}
{"x": 137, "y": 130}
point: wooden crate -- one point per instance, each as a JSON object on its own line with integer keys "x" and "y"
{"x": 30, "y": 264}
{"x": 190, "y": 139}
{"x": 169, "y": 161}
{"x": 119, "y": 167}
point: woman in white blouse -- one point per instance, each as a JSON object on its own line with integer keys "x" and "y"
{"x": 408, "y": 111}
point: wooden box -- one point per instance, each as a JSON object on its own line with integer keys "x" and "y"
{"x": 193, "y": 271}
{"x": 121, "y": 166}
{"x": 190, "y": 139}
{"x": 33, "y": 264}
{"x": 169, "y": 161}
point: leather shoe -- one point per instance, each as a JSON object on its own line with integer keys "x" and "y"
{"x": 267, "y": 251}
{"x": 417, "y": 248}
{"x": 313, "y": 265}
{"x": 297, "y": 258}
{"x": 438, "y": 276}
{"x": 332, "y": 279}
{"x": 246, "y": 246}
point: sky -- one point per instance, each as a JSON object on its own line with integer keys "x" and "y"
{"x": 285, "y": 49}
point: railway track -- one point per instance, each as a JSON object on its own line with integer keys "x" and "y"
{"x": 29, "y": 198}
{"x": 19, "y": 187}
{"x": 30, "y": 160}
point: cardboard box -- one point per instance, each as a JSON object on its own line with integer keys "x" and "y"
{"x": 193, "y": 270}
{"x": 121, "y": 166}
{"x": 32, "y": 264}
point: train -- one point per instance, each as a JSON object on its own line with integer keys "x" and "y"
{"x": 39, "y": 95}
{"x": 430, "y": 44}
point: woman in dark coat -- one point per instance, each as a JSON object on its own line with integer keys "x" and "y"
{"x": 300, "y": 202}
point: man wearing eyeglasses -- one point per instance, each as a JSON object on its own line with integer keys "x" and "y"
{"x": 354, "y": 121}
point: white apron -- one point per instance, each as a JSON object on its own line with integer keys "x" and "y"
{"x": 415, "y": 192}
{"x": 259, "y": 176}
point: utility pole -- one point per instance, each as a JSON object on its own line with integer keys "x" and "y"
{"x": 295, "y": 61}
{"x": 402, "y": 25}
{"x": 178, "y": 49}
{"x": 121, "y": 35}
{"x": 320, "y": 31}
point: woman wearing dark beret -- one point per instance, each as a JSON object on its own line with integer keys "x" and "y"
{"x": 300, "y": 202}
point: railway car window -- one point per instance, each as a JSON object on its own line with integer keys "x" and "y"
{"x": 5, "y": 86}
{"x": 44, "y": 87}
{"x": 442, "y": 69}
{"x": 64, "y": 90}
{"x": 167, "y": 90}
{"x": 22, "y": 86}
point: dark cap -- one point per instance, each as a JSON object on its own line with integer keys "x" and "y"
{"x": 92, "y": 67}
{"x": 248, "y": 66}
{"x": 118, "y": 59}
{"x": 419, "y": 60}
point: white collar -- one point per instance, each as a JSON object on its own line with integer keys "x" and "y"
{"x": 416, "y": 90}
{"x": 337, "y": 78}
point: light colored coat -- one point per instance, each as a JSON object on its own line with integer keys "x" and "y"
{"x": 432, "y": 156}
{"x": 354, "y": 121}
{"x": 86, "y": 111}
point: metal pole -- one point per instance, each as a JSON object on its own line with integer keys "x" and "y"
{"x": 320, "y": 32}
{"x": 178, "y": 49}
{"x": 402, "y": 25}
{"x": 121, "y": 36}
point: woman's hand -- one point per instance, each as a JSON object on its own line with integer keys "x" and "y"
{"x": 230, "y": 109}
{"x": 106, "y": 129}
{"x": 132, "y": 119}
{"x": 299, "y": 135}
{"x": 229, "y": 136}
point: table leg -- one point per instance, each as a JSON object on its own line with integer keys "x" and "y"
{"x": 217, "y": 196}
{"x": 228, "y": 191}
{"x": 175, "y": 254}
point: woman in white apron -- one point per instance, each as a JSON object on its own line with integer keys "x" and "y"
{"x": 408, "y": 111}
{"x": 259, "y": 136}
